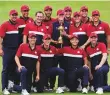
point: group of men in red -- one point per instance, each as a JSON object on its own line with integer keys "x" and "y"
{"x": 33, "y": 55}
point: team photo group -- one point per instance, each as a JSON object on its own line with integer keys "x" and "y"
{"x": 71, "y": 46}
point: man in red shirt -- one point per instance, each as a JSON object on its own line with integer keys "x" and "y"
{"x": 9, "y": 43}
{"x": 27, "y": 60}
{"x": 76, "y": 64}
{"x": 36, "y": 27}
{"x": 84, "y": 14}
{"x": 97, "y": 53}
{"x": 48, "y": 19}
{"x": 78, "y": 28}
{"x": 23, "y": 20}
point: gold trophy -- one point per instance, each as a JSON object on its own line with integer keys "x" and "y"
{"x": 60, "y": 39}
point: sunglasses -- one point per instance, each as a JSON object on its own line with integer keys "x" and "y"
{"x": 95, "y": 15}
{"x": 67, "y": 10}
{"x": 14, "y": 14}
{"x": 25, "y": 10}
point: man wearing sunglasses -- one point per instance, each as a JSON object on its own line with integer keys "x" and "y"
{"x": 8, "y": 47}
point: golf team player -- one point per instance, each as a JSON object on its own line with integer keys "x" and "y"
{"x": 48, "y": 19}
{"x": 23, "y": 20}
{"x": 27, "y": 60}
{"x": 47, "y": 57}
{"x": 97, "y": 52}
{"x": 9, "y": 42}
{"x": 36, "y": 27}
{"x": 78, "y": 28}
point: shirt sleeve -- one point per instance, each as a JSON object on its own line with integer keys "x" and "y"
{"x": 3, "y": 30}
{"x": 103, "y": 48}
{"x": 84, "y": 54}
{"x": 26, "y": 30}
{"x": 50, "y": 30}
{"x": 19, "y": 51}
{"x": 107, "y": 29}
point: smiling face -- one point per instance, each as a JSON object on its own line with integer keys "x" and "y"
{"x": 84, "y": 13}
{"x": 13, "y": 17}
{"x": 32, "y": 40}
{"x": 93, "y": 40}
{"x": 39, "y": 17}
{"x": 48, "y": 12}
{"x": 68, "y": 13}
{"x": 74, "y": 41}
{"x": 95, "y": 17}
{"x": 25, "y": 13}
{"x": 61, "y": 18}
{"x": 77, "y": 18}
{"x": 47, "y": 41}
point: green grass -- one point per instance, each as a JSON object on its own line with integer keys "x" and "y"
{"x": 102, "y": 6}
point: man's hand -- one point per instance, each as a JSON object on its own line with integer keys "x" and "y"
{"x": 85, "y": 66}
{"x": 82, "y": 47}
{"x": 1, "y": 52}
{"x": 20, "y": 67}
{"x": 98, "y": 67}
{"x": 64, "y": 33}
{"x": 37, "y": 78}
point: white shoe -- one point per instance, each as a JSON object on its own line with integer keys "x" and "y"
{"x": 6, "y": 92}
{"x": 99, "y": 91}
{"x": 34, "y": 89}
{"x": 10, "y": 84}
{"x": 59, "y": 90}
{"x": 84, "y": 90}
{"x": 92, "y": 89}
{"x": 24, "y": 92}
{"x": 65, "y": 88}
{"x": 79, "y": 86}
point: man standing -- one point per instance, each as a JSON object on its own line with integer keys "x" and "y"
{"x": 98, "y": 59}
{"x": 23, "y": 20}
{"x": 84, "y": 15}
{"x": 76, "y": 64}
{"x": 48, "y": 19}
{"x": 78, "y": 28}
{"x": 36, "y": 27}
{"x": 68, "y": 13}
{"x": 27, "y": 61}
{"x": 9, "y": 42}
{"x": 47, "y": 54}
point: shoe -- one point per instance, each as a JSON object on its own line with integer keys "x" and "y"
{"x": 99, "y": 91}
{"x": 84, "y": 91}
{"x": 24, "y": 92}
{"x": 34, "y": 89}
{"x": 59, "y": 90}
{"x": 92, "y": 89}
{"x": 50, "y": 89}
{"x": 10, "y": 85}
{"x": 65, "y": 88}
{"x": 79, "y": 86}
{"x": 6, "y": 92}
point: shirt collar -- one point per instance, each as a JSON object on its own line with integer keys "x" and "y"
{"x": 46, "y": 49}
{"x": 11, "y": 22}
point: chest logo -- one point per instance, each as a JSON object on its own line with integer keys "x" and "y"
{"x": 78, "y": 51}
{"x": 71, "y": 22}
{"x": 80, "y": 29}
{"x": 100, "y": 27}
{"x": 29, "y": 21}
{"x": 35, "y": 52}
{"x": 66, "y": 28}
{"x": 50, "y": 51}
{"x": 42, "y": 29}
{"x": 97, "y": 48}
{"x": 47, "y": 27}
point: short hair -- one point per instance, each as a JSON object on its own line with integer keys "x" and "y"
{"x": 39, "y": 12}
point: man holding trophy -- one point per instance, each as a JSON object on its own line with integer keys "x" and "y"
{"x": 59, "y": 33}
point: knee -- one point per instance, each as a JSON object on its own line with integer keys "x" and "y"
{"x": 86, "y": 69}
{"x": 99, "y": 71}
{"x": 61, "y": 71}
{"x": 23, "y": 70}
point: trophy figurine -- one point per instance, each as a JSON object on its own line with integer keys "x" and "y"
{"x": 61, "y": 29}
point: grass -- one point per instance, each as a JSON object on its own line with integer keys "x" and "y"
{"x": 102, "y": 6}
